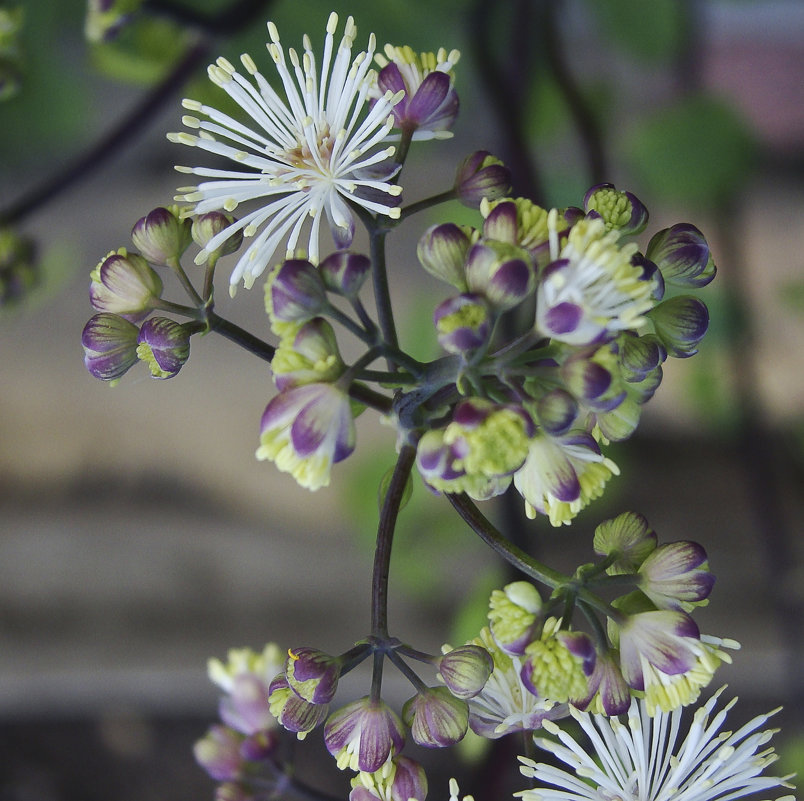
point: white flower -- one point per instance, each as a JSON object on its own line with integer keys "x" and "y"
{"x": 300, "y": 155}
{"x": 642, "y": 759}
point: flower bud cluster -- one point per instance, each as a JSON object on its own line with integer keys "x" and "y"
{"x": 599, "y": 334}
{"x": 125, "y": 289}
{"x": 309, "y": 425}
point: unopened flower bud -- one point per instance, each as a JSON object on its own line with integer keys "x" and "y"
{"x": 209, "y": 233}
{"x": 110, "y": 346}
{"x": 218, "y": 753}
{"x": 364, "y": 735}
{"x": 295, "y": 292}
{"x": 556, "y": 411}
{"x": 480, "y": 176}
{"x": 680, "y": 323}
{"x": 557, "y": 665}
{"x": 442, "y": 252}
{"x": 501, "y": 272}
{"x": 465, "y": 670}
{"x": 436, "y": 717}
{"x": 594, "y": 377}
{"x": 164, "y": 345}
{"x": 344, "y": 272}
{"x": 676, "y": 576}
{"x": 124, "y": 283}
{"x": 621, "y": 211}
{"x": 640, "y": 355}
{"x": 463, "y": 323}
{"x": 310, "y": 356}
{"x": 514, "y": 616}
{"x": 312, "y": 674}
{"x": 161, "y": 236}
{"x": 682, "y": 254}
{"x": 293, "y": 712}
{"x": 628, "y": 538}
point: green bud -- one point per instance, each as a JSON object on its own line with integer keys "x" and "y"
{"x": 161, "y": 236}
{"x": 628, "y": 538}
{"x": 465, "y": 670}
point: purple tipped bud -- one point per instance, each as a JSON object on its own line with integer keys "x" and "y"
{"x": 436, "y": 717}
{"x": 640, "y": 355}
{"x": 607, "y": 688}
{"x": 465, "y": 670}
{"x": 676, "y": 576}
{"x": 110, "y": 346}
{"x": 463, "y": 323}
{"x": 124, "y": 283}
{"x": 312, "y": 674}
{"x": 208, "y": 231}
{"x": 294, "y": 713}
{"x": 680, "y": 324}
{"x": 621, "y": 211}
{"x": 682, "y": 254}
{"x": 442, "y": 252}
{"x": 364, "y": 735}
{"x": 161, "y": 237}
{"x": 629, "y": 538}
{"x": 164, "y": 345}
{"x": 218, "y": 753}
{"x": 430, "y": 106}
{"x": 344, "y": 272}
{"x": 481, "y": 176}
{"x": 297, "y": 292}
{"x": 557, "y": 411}
{"x": 502, "y": 272}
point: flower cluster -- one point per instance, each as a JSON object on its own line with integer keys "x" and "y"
{"x": 554, "y": 331}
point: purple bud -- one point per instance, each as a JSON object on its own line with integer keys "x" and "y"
{"x": 164, "y": 345}
{"x": 312, "y": 674}
{"x": 110, "y": 346}
{"x": 557, "y": 411}
{"x": 640, "y": 355}
{"x": 676, "y": 575}
{"x": 209, "y": 232}
{"x": 364, "y": 735}
{"x": 463, "y": 323}
{"x": 161, "y": 237}
{"x": 682, "y": 254}
{"x": 436, "y": 717}
{"x": 465, "y": 670}
{"x": 297, "y": 292}
{"x": 501, "y": 272}
{"x": 442, "y": 252}
{"x": 481, "y": 176}
{"x": 294, "y": 713}
{"x": 344, "y": 272}
{"x": 680, "y": 323}
{"x": 124, "y": 283}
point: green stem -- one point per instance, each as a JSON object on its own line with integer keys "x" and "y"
{"x": 368, "y": 397}
{"x": 426, "y": 203}
{"x": 385, "y": 538}
{"x": 385, "y": 377}
{"x": 405, "y": 669}
{"x": 234, "y": 333}
{"x": 175, "y": 265}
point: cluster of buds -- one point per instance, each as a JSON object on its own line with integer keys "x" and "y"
{"x": 594, "y": 331}
{"x": 125, "y": 289}
{"x": 653, "y": 648}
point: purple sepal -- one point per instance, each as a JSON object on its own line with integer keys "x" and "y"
{"x": 682, "y": 254}
{"x": 161, "y": 235}
{"x": 676, "y": 574}
{"x": 312, "y": 674}
{"x": 218, "y": 753}
{"x": 110, "y": 346}
{"x": 297, "y": 291}
{"x": 456, "y": 338}
{"x": 125, "y": 284}
{"x": 501, "y": 223}
{"x": 426, "y": 103}
{"x": 680, "y": 324}
{"x": 563, "y": 318}
{"x": 480, "y": 177}
{"x": 442, "y": 252}
{"x": 662, "y": 638}
{"x": 639, "y": 355}
{"x": 344, "y": 272}
{"x": 606, "y": 682}
{"x": 557, "y": 411}
{"x": 294, "y": 713}
{"x": 246, "y": 707}
{"x": 581, "y": 647}
{"x": 501, "y": 272}
{"x": 169, "y": 342}
{"x": 436, "y": 718}
{"x": 370, "y": 730}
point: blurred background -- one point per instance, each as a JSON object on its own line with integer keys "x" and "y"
{"x": 139, "y": 536}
